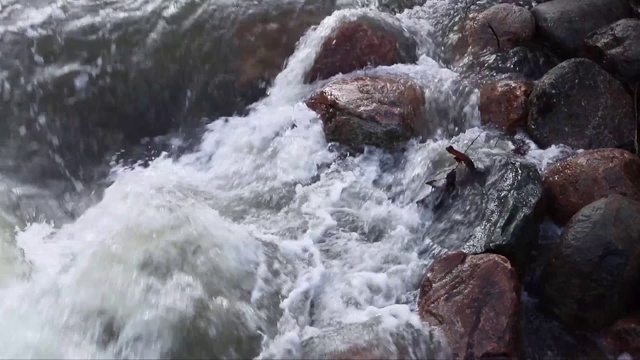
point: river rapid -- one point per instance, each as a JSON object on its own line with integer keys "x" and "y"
{"x": 217, "y": 236}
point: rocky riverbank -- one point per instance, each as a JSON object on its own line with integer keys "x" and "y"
{"x": 498, "y": 292}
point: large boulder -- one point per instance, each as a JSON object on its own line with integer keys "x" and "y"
{"x": 492, "y": 209}
{"x": 505, "y": 104}
{"x": 593, "y": 274}
{"x": 564, "y": 24}
{"x": 624, "y": 337}
{"x": 361, "y": 43}
{"x": 371, "y": 110}
{"x": 580, "y": 105}
{"x": 502, "y": 26}
{"x": 582, "y": 179}
{"x": 617, "y": 48}
{"x": 474, "y": 300}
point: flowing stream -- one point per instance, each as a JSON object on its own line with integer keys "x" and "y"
{"x": 249, "y": 236}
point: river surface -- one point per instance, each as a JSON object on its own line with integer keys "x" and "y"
{"x": 236, "y": 237}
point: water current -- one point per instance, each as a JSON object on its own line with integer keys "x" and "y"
{"x": 247, "y": 236}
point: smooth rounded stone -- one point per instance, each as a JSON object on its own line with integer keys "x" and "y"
{"x": 617, "y": 48}
{"x": 362, "y": 43}
{"x": 370, "y": 110}
{"x": 624, "y": 337}
{"x": 492, "y": 210}
{"x": 372, "y": 340}
{"x": 592, "y": 277}
{"x": 564, "y": 24}
{"x": 582, "y": 179}
{"x": 580, "y": 105}
{"x": 474, "y": 300}
{"x": 502, "y": 26}
{"x": 505, "y": 104}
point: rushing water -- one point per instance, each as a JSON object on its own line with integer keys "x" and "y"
{"x": 257, "y": 241}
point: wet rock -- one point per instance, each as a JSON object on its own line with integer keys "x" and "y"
{"x": 580, "y": 105}
{"x": 505, "y": 104}
{"x": 580, "y": 180}
{"x": 564, "y": 24}
{"x": 544, "y": 338}
{"x": 593, "y": 274}
{"x": 372, "y": 340}
{"x": 370, "y": 110}
{"x": 492, "y": 210}
{"x": 617, "y": 48}
{"x": 267, "y": 38}
{"x": 502, "y": 26}
{"x": 474, "y": 300}
{"x": 624, "y": 337}
{"x": 359, "y": 44}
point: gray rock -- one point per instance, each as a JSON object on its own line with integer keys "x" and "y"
{"x": 580, "y": 105}
{"x": 617, "y": 48}
{"x": 492, "y": 210}
{"x": 593, "y": 274}
{"x": 564, "y": 24}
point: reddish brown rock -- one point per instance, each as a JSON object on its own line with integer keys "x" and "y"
{"x": 266, "y": 38}
{"x": 505, "y": 104}
{"x": 502, "y": 26}
{"x": 359, "y": 44}
{"x": 624, "y": 337}
{"x": 475, "y": 300}
{"x": 580, "y": 180}
{"x": 370, "y": 110}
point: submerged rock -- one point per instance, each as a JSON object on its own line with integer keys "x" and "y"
{"x": 624, "y": 337}
{"x": 617, "y": 48}
{"x": 474, "y": 300}
{"x": 580, "y": 180}
{"x": 564, "y": 24}
{"x": 491, "y": 210}
{"x": 580, "y": 105}
{"x": 361, "y": 43}
{"x": 505, "y": 104}
{"x": 370, "y": 110}
{"x": 593, "y": 274}
{"x": 502, "y": 26}
{"x": 372, "y": 340}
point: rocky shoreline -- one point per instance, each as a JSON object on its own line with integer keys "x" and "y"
{"x": 497, "y": 292}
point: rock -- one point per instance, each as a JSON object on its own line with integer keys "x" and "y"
{"x": 580, "y": 105}
{"x": 505, "y": 104}
{"x": 370, "y": 110}
{"x": 544, "y": 338}
{"x": 372, "y": 340}
{"x": 265, "y": 39}
{"x": 361, "y": 43}
{"x": 502, "y": 26}
{"x": 624, "y": 337}
{"x": 617, "y": 48}
{"x": 564, "y": 24}
{"x": 493, "y": 210}
{"x": 593, "y": 274}
{"x": 580, "y": 180}
{"x": 474, "y": 300}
